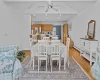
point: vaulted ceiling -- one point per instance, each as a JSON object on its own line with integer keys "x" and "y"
{"x": 66, "y": 9}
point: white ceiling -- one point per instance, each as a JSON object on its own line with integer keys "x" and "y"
{"x": 67, "y": 9}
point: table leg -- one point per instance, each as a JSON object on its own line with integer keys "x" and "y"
{"x": 33, "y": 62}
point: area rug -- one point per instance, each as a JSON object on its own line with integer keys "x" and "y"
{"x": 73, "y": 72}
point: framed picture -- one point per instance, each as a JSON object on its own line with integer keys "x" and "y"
{"x": 91, "y": 29}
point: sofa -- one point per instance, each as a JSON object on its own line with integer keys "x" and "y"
{"x": 10, "y": 66}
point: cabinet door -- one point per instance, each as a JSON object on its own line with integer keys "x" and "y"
{"x": 94, "y": 45}
{"x": 36, "y": 26}
{"x": 47, "y": 27}
{"x": 82, "y": 43}
{"x": 87, "y": 46}
{"x": 65, "y": 33}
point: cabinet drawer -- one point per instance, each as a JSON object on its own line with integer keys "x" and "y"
{"x": 82, "y": 43}
{"x": 87, "y": 44}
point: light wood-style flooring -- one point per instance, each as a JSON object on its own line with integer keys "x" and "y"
{"x": 80, "y": 60}
{"x": 85, "y": 65}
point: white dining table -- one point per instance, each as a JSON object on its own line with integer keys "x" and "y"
{"x": 63, "y": 50}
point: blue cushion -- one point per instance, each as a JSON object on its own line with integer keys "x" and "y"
{"x": 7, "y": 61}
{"x": 7, "y": 48}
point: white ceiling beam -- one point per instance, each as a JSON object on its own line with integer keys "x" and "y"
{"x": 43, "y": 0}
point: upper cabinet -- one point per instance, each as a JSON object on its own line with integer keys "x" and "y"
{"x": 47, "y": 27}
{"x": 41, "y": 27}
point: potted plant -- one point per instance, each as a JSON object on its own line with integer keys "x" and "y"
{"x": 21, "y": 55}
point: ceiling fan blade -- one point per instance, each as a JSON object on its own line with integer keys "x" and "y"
{"x": 47, "y": 9}
{"x": 55, "y": 9}
{"x": 41, "y": 6}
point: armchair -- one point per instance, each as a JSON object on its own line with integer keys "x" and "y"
{"x": 10, "y": 66}
{"x": 96, "y": 70}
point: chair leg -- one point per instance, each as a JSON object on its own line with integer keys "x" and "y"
{"x": 64, "y": 64}
{"x": 38, "y": 65}
{"x": 59, "y": 64}
{"x": 68, "y": 61}
{"x": 33, "y": 63}
{"x": 46, "y": 65}
{"x": 51, "y": 65}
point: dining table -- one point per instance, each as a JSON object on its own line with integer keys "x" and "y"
{"x": 63, "y": 51}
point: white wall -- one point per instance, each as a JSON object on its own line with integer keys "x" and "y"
{"x": 80, "y": 23}
{"x": 14, "y": 26}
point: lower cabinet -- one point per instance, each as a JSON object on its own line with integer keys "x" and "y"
{"x": 88, "y": 49}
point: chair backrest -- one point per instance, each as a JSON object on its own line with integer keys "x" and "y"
{"x": 43, "y": 41}
{"x": 54, "y": 38}
{"x": 55, "y": 41}
{"x": 68, "y": 43}
{"x": 45, "y": 38}
{"x": 34, "y": 37}
{"x": 42, "y": 50}
{"x": 55, "y": 50}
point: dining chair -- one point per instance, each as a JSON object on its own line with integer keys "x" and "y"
{"x": 55, "y": 55}
{"x": 45, "y": 38}
{"x": 55, "y": 38}
{"x": 67, "y": 46}
{"x": 42, "y": 54}
{"x": 55, "y": 41}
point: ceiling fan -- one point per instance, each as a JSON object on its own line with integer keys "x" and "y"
{"x": 50, "y": 5}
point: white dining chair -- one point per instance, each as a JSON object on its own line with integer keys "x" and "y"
{"x": 32, "y": 52}
{"x": 55, "y": 41}
{"x": 45, "y": 38}
{"x": 55, "y": 55}
{"x": 67, "y": 46}
{"x": 54, "y": 38}
{"x": 42, "y": 54}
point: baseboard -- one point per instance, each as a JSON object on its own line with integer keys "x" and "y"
{"x": 76, "y": 48}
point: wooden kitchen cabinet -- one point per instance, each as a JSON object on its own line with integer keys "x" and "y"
{"x": 36, "y": 25}
{"x": 65, "y": 33}
{"x": 47, "y": 27}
